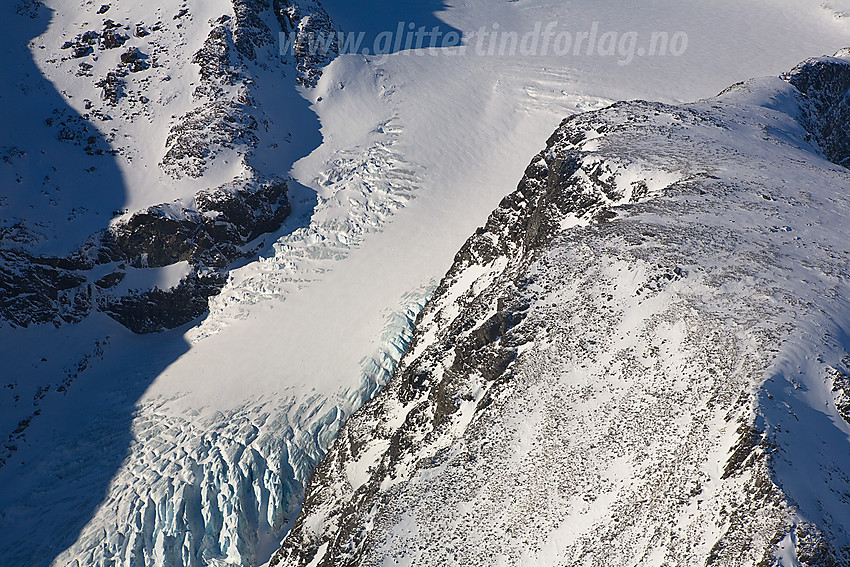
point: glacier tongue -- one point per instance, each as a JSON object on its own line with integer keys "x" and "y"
{"x": 222, "y": 487}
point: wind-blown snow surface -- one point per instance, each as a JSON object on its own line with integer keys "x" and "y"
{"x": 129, "y": 457}
{"x": 641, "y": 358}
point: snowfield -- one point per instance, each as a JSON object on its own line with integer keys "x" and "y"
{"x": 194, "y": 446}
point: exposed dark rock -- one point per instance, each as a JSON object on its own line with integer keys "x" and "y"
{"x": 214, "y": 57}
{"x": 85, "y": 71}
{"x": 32, "y": 293}
{"x": 825, "y": 83}
{"x": 83, "y": 45}
{"x": 315, "y": 41}
{"x": 813, "y": 549}
{"x": 746, "y": 448}
{"x": 840, "y": 377}
{"x": 45, "y": 290}
{"x": 149, "y": 239}
{"x": 112, "y": 88}
{"x": 112, "y": 39}
{"x": 81, "y": 51}
{"x": 76, "y": 130}
{"x": 157, "y": 310}
{"x": 139, "y": 65}
{"x": 248, "y": 213}
{"x": 200, "y": 134}
{"x": 110, "y": 280}
{"x": 28, "y": 8}
{"x": 250, "y": 32}
{"x": 134, "y": 60}
{"x": 131, "y": 55}
{"x": 225, "y": 220}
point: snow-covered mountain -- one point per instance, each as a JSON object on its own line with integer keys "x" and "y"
{"x": 288, "y": 213}
{"x": 163, "y": 118}
{"x": 641, "y": 359}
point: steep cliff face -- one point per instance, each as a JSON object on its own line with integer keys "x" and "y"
{"x": 640, "y": 359}
{"x": 826, "y": 107}
{"x": 145, "y": 76}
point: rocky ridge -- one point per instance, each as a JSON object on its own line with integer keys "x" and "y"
{"x": 621, "y": 366}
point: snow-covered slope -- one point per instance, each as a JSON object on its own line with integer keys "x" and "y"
{"x": 641, "y": 358}
{"x": 193, "y": 446}
{"x": 158, "y": 150}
